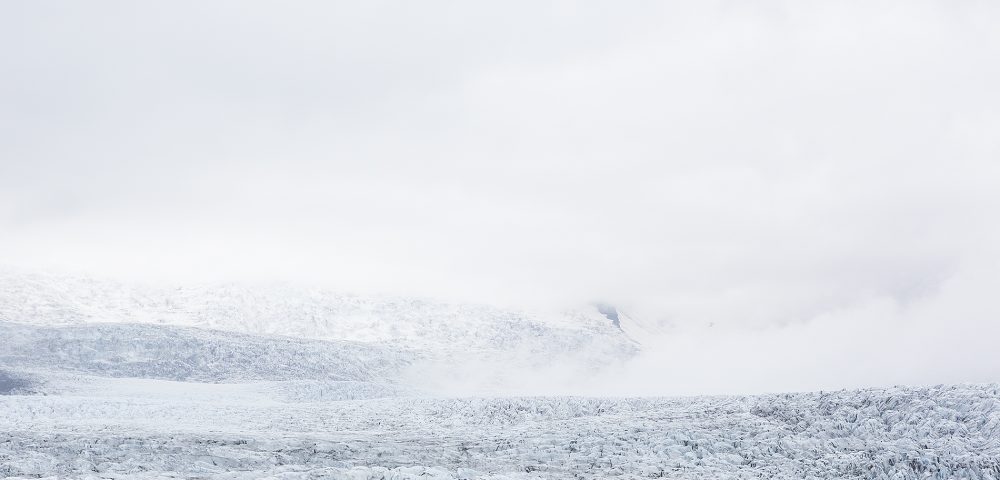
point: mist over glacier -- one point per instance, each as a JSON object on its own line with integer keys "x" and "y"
{"x": 499, "y": 240}
{"x": 103, "y": 379}
{"x": 473, "y": 349}
{"x": 697, "y": 163}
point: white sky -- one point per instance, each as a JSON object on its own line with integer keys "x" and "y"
{"x": 786, "y": 163}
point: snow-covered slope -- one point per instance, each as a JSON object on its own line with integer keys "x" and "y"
{"x": 304, "y": 313}
{"x": 226, "y": 333}
{"x": 179, "y": 353}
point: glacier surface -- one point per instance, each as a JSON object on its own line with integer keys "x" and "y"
{"x": 107, "y": 380}
{"x": 250, "y": 431}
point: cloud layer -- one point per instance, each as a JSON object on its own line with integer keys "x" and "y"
{"x": 763, "y": 166}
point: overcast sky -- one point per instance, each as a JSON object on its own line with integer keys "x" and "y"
{"x": 781, "y": 164}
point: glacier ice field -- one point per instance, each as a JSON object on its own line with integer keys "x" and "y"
{"x": 106, "y": 381}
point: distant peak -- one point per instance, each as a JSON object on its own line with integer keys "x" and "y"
{"x": 610, "y": 312}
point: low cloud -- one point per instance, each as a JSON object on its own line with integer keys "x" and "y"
{"x": 812, "y": 179}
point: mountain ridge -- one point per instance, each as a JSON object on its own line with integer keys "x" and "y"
{"x": 203, "y": 333}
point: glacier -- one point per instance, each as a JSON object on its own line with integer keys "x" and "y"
{"x": 102, "y": 380}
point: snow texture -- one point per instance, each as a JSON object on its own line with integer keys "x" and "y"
{"x": 940, "y": 432}
{"x": 10, "y": 384}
